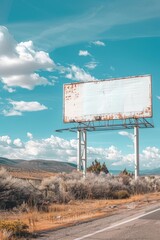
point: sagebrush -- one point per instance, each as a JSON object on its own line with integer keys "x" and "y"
{"x": 9, "y": 229}
{"x": 21, "y": 194}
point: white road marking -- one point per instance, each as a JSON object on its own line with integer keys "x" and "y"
{"x": 116, "y": 225}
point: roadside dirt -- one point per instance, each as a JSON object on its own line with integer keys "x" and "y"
{"x": 62, "y": 215}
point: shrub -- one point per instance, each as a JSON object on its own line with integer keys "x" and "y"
{"x": 55, "y": 189}
{"x": 97, "y": 167}
{"x": 99, "y": 185}
{"x": 16, "y": 228}
{"x": 126, "y": 173}
{"x": 14, "y": 192}
{"x": 22, "y": 195}
{"x": 140, "y": 186}
{"x": 78, "y": 189}
{"x": 121, "y": 194}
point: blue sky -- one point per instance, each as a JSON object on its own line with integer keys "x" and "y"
{"x": 44, "y": 44}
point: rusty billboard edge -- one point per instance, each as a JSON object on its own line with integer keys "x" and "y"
{"x": 84, "y": 101}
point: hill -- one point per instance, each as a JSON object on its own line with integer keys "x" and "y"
{"x": 155, "y": 171}
{"x": 35, "y": 167}
{"x": 8, "y": 162}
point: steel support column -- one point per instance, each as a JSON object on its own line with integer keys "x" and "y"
{"x": 82, "y": 151}
{"x": 136, "y": 150}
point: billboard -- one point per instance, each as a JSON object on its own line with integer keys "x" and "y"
{"x": 102, "y": 100}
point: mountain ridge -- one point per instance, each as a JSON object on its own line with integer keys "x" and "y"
{"x": 37, "y": 165}
{"x": 54, "y": 166}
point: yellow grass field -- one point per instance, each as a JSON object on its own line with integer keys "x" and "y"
{"x": 60, "y": 215}
{"x": 31, "y": 175}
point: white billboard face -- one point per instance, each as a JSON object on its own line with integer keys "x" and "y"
{"x": 108, "y": 99}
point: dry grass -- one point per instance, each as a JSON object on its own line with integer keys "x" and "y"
{"x": 37, "y": 175}
{"x": 75, "y": 211}
{"x": 25, "y": 195}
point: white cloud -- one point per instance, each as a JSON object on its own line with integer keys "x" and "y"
{"x": 151, "y": 153}
{"x": 28, "y": 81}
{"x": 84, "y": 53}
{"x": 11, "y": 112}
{"x": 127, "y": 134}
{"x": 29, "y": 135}
{"x": 10, "y": 90}
{"x": 27, "y": 106}
{"x": 113, "y": 153}
{"x": 17, "y": 142}
{"x": 158, "y": 97}
{"x": 91, "y": 65}
{"x": 108, "y": 20}
{"x": 150, "y": 158}
{"x": 63, "y": 150}
{"x": 5, "y": 140}
{"x": 49, "y": 148}
{"x": 128, "y": 158}
{"x": 76, "y": 73}
{"x": 110, "y": 155}
{"x": 99, "y": 43}
{"x": 16, "y": 108}
{"x": 19, "y": 61}
{"x": 53, "y": 148}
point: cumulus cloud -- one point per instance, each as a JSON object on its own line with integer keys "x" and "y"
{"x": 17, "y": 142}
{"x": 5, "y": 140}
{"x": 55, "y": 148}
{"x": 129, "y": 158}
{"x": 29, "y": 135}
{"x": 99, "y": 43}
{"x": 111, "y": 153}
{"x": 49, "y": 148}
{"x": 150, "y": 157}
{"x": 16, "y": 108}
{"x": 76, "y": 73}
{"x": 20, "y": 61}
{"x": 84, "y": 53}
{"x": 28, "y": 81}
{"x": 151, "y": 153}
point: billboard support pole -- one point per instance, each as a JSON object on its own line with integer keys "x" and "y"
{"x": 136, "y": 149}
{"x": 79, "y": 164}
{"x": 82, "y": 151}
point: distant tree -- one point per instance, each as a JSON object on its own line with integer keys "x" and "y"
{"x": 126, "y": 173}
{"x": 97, "y": 167}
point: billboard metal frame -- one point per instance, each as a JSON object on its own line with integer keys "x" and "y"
{"x": 128, "y": 123}
{"x": 103, "y": 124}
{"x": 83, "y": 128}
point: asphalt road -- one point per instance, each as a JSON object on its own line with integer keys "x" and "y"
{"x": 137, "y": 224}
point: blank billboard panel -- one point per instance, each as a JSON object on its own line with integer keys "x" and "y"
{"x": 108, "y": 99}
